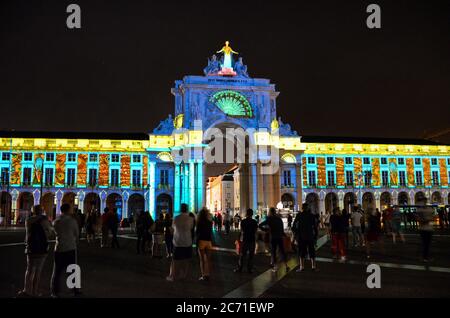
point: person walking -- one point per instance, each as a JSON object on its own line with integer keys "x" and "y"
{"x": 168, "y": 234}
{"x": 219, "y": 222}
{"x": 355, "y": 218}
{"x": 373, "y": 231}
{"x": 337, "y": 226}
{"x": 67, "y": 235}
{"x": 249, "y": 227}
{"x": 237, "y": 221}
{"x": 143, "y": 224}
{"x": 182, "y": 225}
{"x": 90, "y": 226}
{"x": 425, "y": 218}
{"x": 105, "y": 227}
{"x": 289, "y": 221}
{"x": 204, "y": 236}
{"x": 396, "y": 225}
{"x": 114, "y": 227}
{"x": 38, "y": 230}
{"x": 158, "y": 237}
{"x": 305, "y": 228}
{"x": 276, "y": 230}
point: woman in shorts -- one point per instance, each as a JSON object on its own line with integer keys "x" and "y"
{"x": 204, "y": 242}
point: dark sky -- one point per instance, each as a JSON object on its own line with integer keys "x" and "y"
{"x": 336, "y": 76}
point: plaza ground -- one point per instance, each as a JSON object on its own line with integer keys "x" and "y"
{"x": 122, "y": 273}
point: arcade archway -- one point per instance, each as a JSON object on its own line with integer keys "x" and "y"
{"x": 368, "y": 201}
{"x": 288, "y": 201}
{"x": 349, "y": 201}
{"x": 164, "y": 204}
{"x": 69, "y": 198}
{"x": 418, "y": 196}
{"x": 114, "y": 201}
{"x": 403, "y": 198}
{"x": 312, "y": 199}
{"x": 331, "y": 201}
{"x": 48, "y": 205}
{"x": 5, "y": 208}
{"x": 91, "y": 203}
{"x": 436, "y": 198}
{"x": 385, "y": 200}
{"x": 136, "y": 203}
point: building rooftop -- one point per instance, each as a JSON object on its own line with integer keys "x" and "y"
{"x": 145, "y": 136}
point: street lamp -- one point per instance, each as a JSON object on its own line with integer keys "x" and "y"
{"x": 39, "y": 164}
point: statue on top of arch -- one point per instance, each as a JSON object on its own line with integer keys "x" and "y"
{"x": 165, "y": 126}
{"x": 285, "y": 129}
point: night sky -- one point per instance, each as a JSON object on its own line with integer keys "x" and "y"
{"x": 336, "y": 76}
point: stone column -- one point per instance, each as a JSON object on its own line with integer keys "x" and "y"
{"x": 377, "y": 200}
{"x": 152, "y": 187}
{"x": 276, "y": 188}
{"x": 125, "y": 197}
{"x": 177, "y": 190}
{"x": 36, "y": 197}
{"x": 102, "y": 196}
{"x": 260, "y": 185}
{"x": 58, "y": 196}
{"x": 200, "y": 187}
{"x": 340, "y": 196}
{"x": 322, "y": 205}
{"x": 253, "y": 187}
{"x": 298, "y": 185}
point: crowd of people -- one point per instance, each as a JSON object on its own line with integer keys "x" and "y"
{"x": 188, "y": 234}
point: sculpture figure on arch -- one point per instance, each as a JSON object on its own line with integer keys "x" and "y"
{"x": 165, "y": 127}
{"x": 240, "y": 68}
{"x": 213, "y": 66}
{"x": 285, "y": 129}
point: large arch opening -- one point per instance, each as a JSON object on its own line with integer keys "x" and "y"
{"x": 368, "y": 201}
{"x": 331, "y": 201}
{"x": 114, "y": 201}
{"x": 164, "y": 204}
{"x": 48, "y": 205}
{"x": 5, "y": 208}
{"x": 349, "y": 201}
{"x": 288, "y": 201}
{"x": 69, "y": 198}
{"x": 312, "y": 199}
{"x": 385, "y": 200}
{"x": 26, "y": 202}
{"x": 91, "y": 203}
{"x": 136, "y": 203}
{"x": 436, "y": 198}
{"x": 418, "y": 196}
{"x": 403, "y": 198}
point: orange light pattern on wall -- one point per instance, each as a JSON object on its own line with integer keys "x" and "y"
{"x": 357, "y": 166}
{"x": 393, "y": 171}
{"x": 340, "y": 179}
{"x": 125, "y": 171}
{"x": 321, "y": 174}
{"x": 16, "y": 164}
{"x": 103, "y": 176}
{"x": 37, "y": 173}
{"x": 426, "y": 171}
{"x": 305, "y": 179}
{"x": 145, "y": 171}
{"x": 443, "y": 172}
{"x": 60, "y": 174}
{"x": 82, "y": 169}
{"x": 410, "y": 171}
{"x": 376, "y": 171}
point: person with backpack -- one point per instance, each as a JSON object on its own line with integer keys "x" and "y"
{"x": 114, "y": 227}
{"x": 305, "y": 229}
{"x": 275, "y": 227}
{"x": 67, "y": 235}
{"x": 249, "y": 228}
{"x": 38, "y": 230}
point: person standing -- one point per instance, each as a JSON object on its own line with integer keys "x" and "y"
{"x": 276, "y": 230}
{"x": 204, "y": 236}
{"x": 249, "y": 227}
{"x": 158, "y": 236}
{"x": 183, "y": 225}
{"x": 373, "y": 230}
{"x": 237, "y": 221}
{"x": 305, "y": 229}
{"x": 143, "y": 224}
{"x": 425, "y": 218}
{"x": 289, "y": 221}
{"x": 114, "y": 227}
{"x": 357, "y": 236}
{"x": 90, "y": 226}
{"x": 168, "y": 234}
{"x": 67, "y": 235}
{"x": 38, "y": 230}
{"x": 105, "y": 227}
{"x": 227, "y": 221}
{"x": 396, "y": 225}
{"x": 219, "y": 222}
{"x": 337, "y": 234}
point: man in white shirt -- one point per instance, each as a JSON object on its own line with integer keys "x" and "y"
{"x": 183, "y": 226}
{"x": 67, "y": 234}
{"x": 355, "y": 218}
